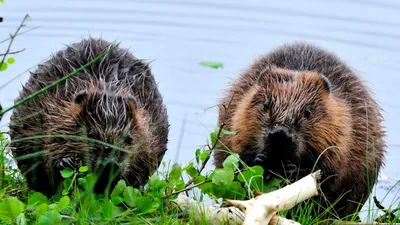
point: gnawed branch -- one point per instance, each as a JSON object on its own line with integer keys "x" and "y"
{"x": 261, "y": 209}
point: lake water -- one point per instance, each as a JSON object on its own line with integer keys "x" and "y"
{"x": 179, "y": 34}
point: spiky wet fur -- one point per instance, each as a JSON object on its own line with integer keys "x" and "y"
{"x": 112, "y": 100}
{"x": 286, "y": 80}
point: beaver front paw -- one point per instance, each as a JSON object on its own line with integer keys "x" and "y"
{"x": 290, "y": 171}
{"x": 260, "y": 159}
{"x": 67, "y": 162}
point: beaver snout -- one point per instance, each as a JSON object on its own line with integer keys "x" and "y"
{"x": 280, "y": 135}
{"x": 281, "y": 140}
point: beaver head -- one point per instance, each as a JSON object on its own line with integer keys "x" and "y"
{"x": 115, "y": 127}
{"x": 292, "y": 116}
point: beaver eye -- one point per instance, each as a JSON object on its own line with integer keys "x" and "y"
{"x": 129, "y": 140}
{"x": 265, "y": 106}
{"x": 307, "y": 112}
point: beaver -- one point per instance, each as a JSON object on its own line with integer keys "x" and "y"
{"x": 295, "y": 102}
{"x": 115, "y": 101}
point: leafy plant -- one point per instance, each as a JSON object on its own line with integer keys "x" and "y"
{"x": 77, "y": 203}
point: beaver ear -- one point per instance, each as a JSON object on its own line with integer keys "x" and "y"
{"x": 81, "y": 97}
{"x": 325, "y": 82}
{"x": 258, "y": 95}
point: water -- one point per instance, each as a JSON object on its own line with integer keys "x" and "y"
{"x": 178, "y": 34}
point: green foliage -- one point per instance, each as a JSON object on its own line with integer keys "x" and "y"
{"x": 125, "y": 204}
{"x": 214, "y": 65}
{"x": 128, "y": 205}
{"x": 4, "y": 65}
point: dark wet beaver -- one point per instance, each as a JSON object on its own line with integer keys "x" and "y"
{"x": 291, "y": 105}
{"x": 115, "y": 100}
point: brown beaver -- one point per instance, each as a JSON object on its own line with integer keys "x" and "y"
{"x": 115, "y": 100}
{"x": 291, "y": 105}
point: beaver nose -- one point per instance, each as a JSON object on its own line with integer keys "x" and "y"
{"x": 280, "y": 135}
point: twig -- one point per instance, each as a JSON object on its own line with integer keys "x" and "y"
{"x": 189, "y": 188}
{"x": 12, "y": 36}
{"x": 11, "y": 53}
{"x": 20, "y": 33}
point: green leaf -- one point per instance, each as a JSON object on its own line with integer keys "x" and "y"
{"x": 206, "y": 187}
{"x": 272, "y": 184}
{"x": 157, "y": 184}
{"x": 63, "y": 203}
{"x": 49, "y": 218}
{"x": 222, "y": 177}
{"x": 253, "y": 176}
{"x": 11, "y": 60}
{"x": 213, "y": 138}
{"x": 232, "y": 161}
{"x": 118, "y": 189}
{"x": 82, "y": 182}
{"x": 10, "y": 208}
{"x": 228, "y": 132}
{"x": 198, "y": 155}
{"x": 204, "y": 155}
{"x": 108, "y": 210}
{"x": 218, "y": 191}
{"x": 235, "y": 191}
{"x": 67, "y": 173}
{"x": 176, "y": 172}
{"x": 130, "y": 195}
{"x": 144, "y": 205}
{"x": 210, "y": 64}
{"x": 41, "y": 209}
{"x": 180, "y": 185}
{"x": 68, "y": 184}
{"x": 21, "y": 220}
{"x": 3, "y": 66}
{"x": 36, "y": 199}
{"x": 191, "y": 170}
{"x": 52, "y": 206}
{"x": 153, "y": 180}
{"x": 199, "y": 179}
{"x": 83, "y": 169}
{"x": 117, "y": 200}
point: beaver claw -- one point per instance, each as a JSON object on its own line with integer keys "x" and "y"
{"x": 66, "y": 163}
{"x": 260, "y": 159}
{"x": 292, "y": 172}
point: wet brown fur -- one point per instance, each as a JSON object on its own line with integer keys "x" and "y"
{"x": 115, "y": 100}
{"x": 276, "y": 89}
